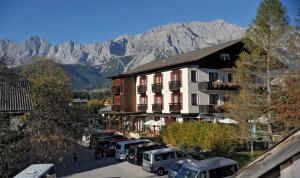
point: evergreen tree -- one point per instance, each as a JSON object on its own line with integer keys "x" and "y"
{"x": 260, "y": 64}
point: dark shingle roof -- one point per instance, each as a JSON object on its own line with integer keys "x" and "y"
{"x": 184, "y": 58}
{"x": 15, "y": 96}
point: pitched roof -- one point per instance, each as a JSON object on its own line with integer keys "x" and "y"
{"x": 184, "y": 58}
{"x": 15, "y": 96}
{"x": 282, "y": 151}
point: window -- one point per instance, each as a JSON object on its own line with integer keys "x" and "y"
{"x": 146, "y": 157}
{"x": 143, "y": 99}
{"x": 176, "y": 167}
{"x": 229, "y": 78}
{"x": 225, "y": 57}
{"x": 176, "y": 98}
{"x": 194, "y": 100}
{"x": 117, "y": 82}
{"x": 164, "y": 156}
{"x": 201, "y": 175}
{"x": 158, "y": 99}
{"x": 213, "y": 76}
{"x": 179, "y": 154}
{"x": 194, "y": 76}
{"x": 222, "y": 172}
{"x": 213, "y": 99}
{"x": 143, "y": 80}
{"x": 186, "y": 172}
{"x": 158, "y": 78}
{"x": 176, "y": 75}
{"x": 117, "y": 100}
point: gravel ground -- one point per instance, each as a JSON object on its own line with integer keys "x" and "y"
{"x": 108, "y": 167}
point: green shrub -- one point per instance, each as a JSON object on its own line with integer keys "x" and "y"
{"x": 222, "y": 140}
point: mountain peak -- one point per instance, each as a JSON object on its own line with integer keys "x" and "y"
{"x": 127, "y": 51}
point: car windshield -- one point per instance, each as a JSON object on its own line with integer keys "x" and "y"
{"x": 176, "y": 167}
{"x": 187, "y": 173}
{"x": 118, "y": 146}
{"x": 146, "y": 157}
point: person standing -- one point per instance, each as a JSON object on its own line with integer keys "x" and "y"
{"x": 97, "y": 151}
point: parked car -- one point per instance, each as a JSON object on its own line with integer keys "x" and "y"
{"x": 135, "y": 153}
{"x": 103, "y": 136}
{"x": 158, "y": 161}
{"x": 217, "y": 167}
{"x": 111, "y": 147}
{"x": 174, "y": 168}
{"x": 123, "y": 147}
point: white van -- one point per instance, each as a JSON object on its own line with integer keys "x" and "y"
{"x": 217, "y": 167}
{"x": 38, "y": 171}
{"x": 122, "y": 148}
{"x": 158, "y": 161}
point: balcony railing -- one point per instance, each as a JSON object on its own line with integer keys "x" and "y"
{"x": 115, "y": 90}
{"x": 156, "y": 87}
{"x": 208, "y": 109}
{"x": 204, "y": 86}
{"x": 142, "y": 107}
{"x": 174, "y": 85}
{"x": 156, "y": 107}
{"x": 175, "y": 107}
{"x": 116, "y": 107}
{"x": 142, "y": 89}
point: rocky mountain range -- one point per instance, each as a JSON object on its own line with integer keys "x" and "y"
{"x": 126, "y": 51}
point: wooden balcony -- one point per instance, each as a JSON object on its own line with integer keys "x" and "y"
{"x": 156, "y": 87}
{"x": 175, "y": 85}
{"x": 209, "y": 109}
{"x": 116, "y": 107}
{"x": 205, "y": 86}
{"x": 115, "y": 90}
{"x": 157, "y": 108}
{"x": 142, "y": 89}
{"x": 175, "y": 107}
{"x": 142, "y": 107}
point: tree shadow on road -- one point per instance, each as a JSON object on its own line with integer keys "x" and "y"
{"x": 85, "y": 162}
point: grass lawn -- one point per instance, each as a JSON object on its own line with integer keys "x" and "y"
{"x": 243, "y": 158}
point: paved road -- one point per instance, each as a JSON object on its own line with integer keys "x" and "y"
{"x": 108, "y": 167}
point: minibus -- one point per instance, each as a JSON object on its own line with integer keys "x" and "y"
{"x": 135, "y": 153}
{"x": 123, "y": 147}
{"x": 38, "y": 171}
{"x": 158, "y": 161}
{"x": 217, "y": 167}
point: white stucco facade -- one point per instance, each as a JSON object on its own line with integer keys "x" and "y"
{"x": 187, "y": 89}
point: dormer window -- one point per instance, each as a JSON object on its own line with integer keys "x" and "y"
{"x": 225, "y": 57}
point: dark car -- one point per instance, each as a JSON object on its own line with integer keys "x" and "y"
{"x": 104, "y": 137}
{"x": 135, "y": 154}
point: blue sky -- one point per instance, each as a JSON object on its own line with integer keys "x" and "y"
{"x": 89, "y": 21}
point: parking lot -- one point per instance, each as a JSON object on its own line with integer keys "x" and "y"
{"x": 108, "y": 167}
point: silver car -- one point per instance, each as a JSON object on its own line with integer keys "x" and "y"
{"x": 158, "y": 161}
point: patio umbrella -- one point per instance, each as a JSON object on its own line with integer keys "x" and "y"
{"x": 150, "y": 122}
{"x": 228, "y": 121}
{"x": 159, "y": 123}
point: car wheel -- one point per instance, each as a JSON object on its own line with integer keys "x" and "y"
{"x": 160, "y": 171}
